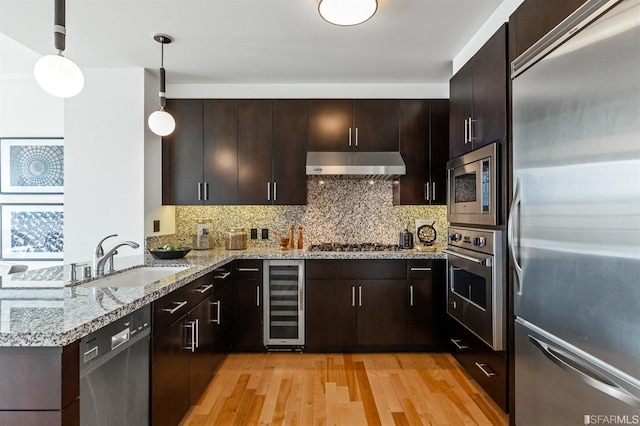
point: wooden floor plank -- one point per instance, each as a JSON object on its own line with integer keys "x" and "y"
{"x": 343, "y": 389}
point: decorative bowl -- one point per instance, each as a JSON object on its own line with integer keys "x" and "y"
{"x": 161, "y": 253}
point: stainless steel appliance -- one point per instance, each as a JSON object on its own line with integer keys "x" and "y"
{"x": 114, "y": 372}
{"x": 356, "y": 164}
{"x": 283, "y": 304}
{"x": 475, "y": 283}
{"x": 574, "y": 224}
{"x": 472, "y": 187}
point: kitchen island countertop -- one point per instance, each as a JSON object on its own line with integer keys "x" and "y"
{"x": 40, "y": 308}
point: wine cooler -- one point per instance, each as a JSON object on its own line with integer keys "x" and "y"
{"x": 283, "y": 304}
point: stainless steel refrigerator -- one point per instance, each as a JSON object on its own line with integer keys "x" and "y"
{"x": 574, "y": 224}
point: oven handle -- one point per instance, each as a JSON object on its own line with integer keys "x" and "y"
{"x": 511, "y": 234}
{"x": 483, "y": 262}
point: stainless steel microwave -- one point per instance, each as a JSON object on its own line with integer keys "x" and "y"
{"x": 472, "y": 187}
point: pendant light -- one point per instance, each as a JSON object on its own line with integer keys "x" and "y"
{"x": 347, "y": 12}
{"x": 56, "y": 74}
{"x": 161, "y": 122}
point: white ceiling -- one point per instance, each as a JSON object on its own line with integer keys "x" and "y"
{"x": 256, "y": 41}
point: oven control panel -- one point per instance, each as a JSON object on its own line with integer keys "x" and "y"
{"x": 481, "y": 240}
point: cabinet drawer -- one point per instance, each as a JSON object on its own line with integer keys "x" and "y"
{"x": 174, "y": 305}
{"x": 248, "y": 269}
{"x": 356, "y": 269}
{"x": 420, "y": 269}
{"x": 487, "y": 367}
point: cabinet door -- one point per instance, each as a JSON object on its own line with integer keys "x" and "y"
{"x": 460, "y": 108}
{"x": 414, "y": 148}
{"x": 254, "y": 152}
{"x": 248, "y": 316}
{"x": 169, "y": 376}
{"x": 182, "y": 153}
{"x": 382, "y": 312}
{"x": 426, "y": 324}
{"x": 202, "y": 356}
{"x": 438, "y": 150}
{"x": 222, "y": 315}
{"x": 221, "y": 151}
{"x": 330, "y": 314}
{"x": 376, "y": 123}
{"x": 289, "y": 151}
{"x": 329, "y": 124}
{"x": 490, "y": 90}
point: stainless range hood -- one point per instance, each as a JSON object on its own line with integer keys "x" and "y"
{"x": 369, "y": 165}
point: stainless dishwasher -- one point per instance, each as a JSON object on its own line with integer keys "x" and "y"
{"x": 114, "y": 372}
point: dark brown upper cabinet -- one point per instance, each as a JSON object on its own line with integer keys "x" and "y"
{"x": 478, "y": 98}
{"x": 424, "y": 146}
{"x": 199, "y": 159}
{"x": 352, "y": 125}
{"x": 535, "y": 18}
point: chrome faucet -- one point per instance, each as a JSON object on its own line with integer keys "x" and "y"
{"x": 100, "y": 259}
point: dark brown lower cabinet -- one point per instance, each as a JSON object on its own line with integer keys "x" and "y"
{"x": 201, "y": 351}
{"x": 40, "y": 386}
{"x": 248, "y": 336}
{"x": 374, "y": 305}
{"x": 486, "y": 366}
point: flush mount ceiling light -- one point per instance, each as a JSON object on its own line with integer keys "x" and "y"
{"x": 347, "y": 12}
{"x": 56, "y": 74}
{"x": 161, "y": 122}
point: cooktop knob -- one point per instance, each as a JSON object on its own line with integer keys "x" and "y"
{"x": 455, "y": 237}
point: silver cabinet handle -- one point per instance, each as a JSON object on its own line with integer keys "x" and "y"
{"x": 258, "y": 295}
{"x": 216, "y": 320}
{"x": 410, "y": 295}
{"x": 349, "y": 136}
{"x": 433, "y": 193}
{"x": 579, "y": 369}
{"x": 275, "y": 191}
{"x": 248, "y": 270}
{"x": 486, "y": 369}
{"x": 459, "y": 344}
{"x": 204, "y": 289}
{"x": 206, "y": 191}
{"x": 426, "y": 191}
{"x": 511, "y": 234}
{"x": 359, "y": 295}
{"x": 353, "y": 295}
{"x": 356, "y": 136}
{"x": 222, "y": 276}
{"x": 197, "y": 333}
{"x": 466, "y": 132}
{"x": 268, "y": 191}
{"x": 199, "y": 191}
{"x": 177, "y": 306}
{"x": 420, "y": 269}
{"x": 191, "y": 346}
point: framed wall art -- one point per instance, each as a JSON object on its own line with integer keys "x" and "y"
{"x": 34, "y": 166}
{"x": 32, "y": 232}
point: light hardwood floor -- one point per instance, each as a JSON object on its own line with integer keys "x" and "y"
{"x": 343, "y": 389}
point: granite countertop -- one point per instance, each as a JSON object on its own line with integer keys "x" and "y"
{"x": 41, "y": 308}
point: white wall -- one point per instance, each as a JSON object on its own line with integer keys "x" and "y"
{"x": 104, "y": 158}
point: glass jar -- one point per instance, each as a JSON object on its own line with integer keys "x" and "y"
{"x": 236, "y": 239}
{"x": 203, "y": 238}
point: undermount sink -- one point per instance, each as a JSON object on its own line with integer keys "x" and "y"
{"x": 137, "y": 277}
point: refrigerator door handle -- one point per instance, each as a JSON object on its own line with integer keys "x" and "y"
{"x": 582, "y": 371}
{"x": 511, "y": 233}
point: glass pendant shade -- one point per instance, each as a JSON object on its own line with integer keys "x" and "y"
{"x": 58, "y": 76}
{"x": 347, "y": 12}
{"x": 161, "y": 123}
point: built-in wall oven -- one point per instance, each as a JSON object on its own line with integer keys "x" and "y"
{"x": 475, "y": 283}
{"x": 283, "y": 305}
{"x": 472, "y": 187}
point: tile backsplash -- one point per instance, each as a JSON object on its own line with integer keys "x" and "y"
{"x": 337, "y": 210}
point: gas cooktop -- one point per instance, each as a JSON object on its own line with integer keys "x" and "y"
{"x": 353, "y": 247}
